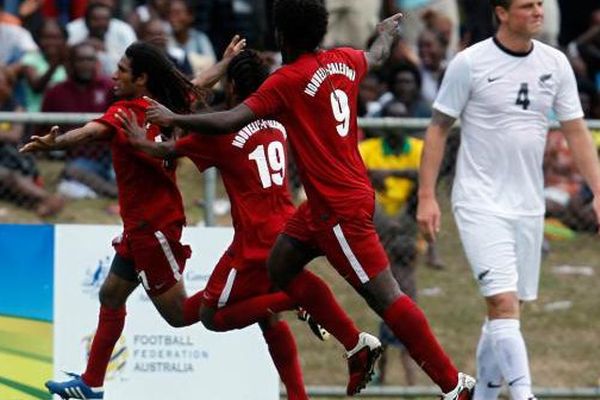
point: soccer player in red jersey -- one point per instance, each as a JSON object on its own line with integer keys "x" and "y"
{"x": 149, "y": 249}
{"x": 314, "y": 96}
{"x": 252, "y": 163}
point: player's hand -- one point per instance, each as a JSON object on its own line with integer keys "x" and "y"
{"x": 158, "y": 114}
{"x": 235, "y": 47}
{"x": 428, "y": 218}
{"x": 42, "y": 143}
{"x": 390, "y": 24}
{"x": 129, "y": 123}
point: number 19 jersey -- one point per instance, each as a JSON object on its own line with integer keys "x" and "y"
{"x": 315, "y": 98}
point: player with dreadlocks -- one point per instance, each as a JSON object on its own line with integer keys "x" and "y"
{"x": 149, "y": 249}
{"x": 314, "y": 97}
{"x": 239, "y": 291}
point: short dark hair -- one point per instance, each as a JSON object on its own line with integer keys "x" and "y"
{"x": 247, "y": 71}
{"x": 92, "y": 6}
{"x": 303, "y": 23}
{"x": 404, "y": 67}
{"x": 502, "y": 3}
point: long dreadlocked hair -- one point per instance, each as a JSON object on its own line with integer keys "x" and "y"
{"x": 247, "y": 71}
{"x": 168, "y": 86}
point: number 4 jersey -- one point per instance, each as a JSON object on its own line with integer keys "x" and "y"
{"x": 504, "y": 100}
{"x": 315, "y": 98}
{"x": 252, "y": 163}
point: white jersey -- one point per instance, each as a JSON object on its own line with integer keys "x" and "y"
{"x": 503, "y": 100}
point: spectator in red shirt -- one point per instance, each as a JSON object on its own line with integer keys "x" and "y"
{"x": 88, "y": 171}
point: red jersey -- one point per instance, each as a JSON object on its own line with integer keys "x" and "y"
{"x": 253, "y": 165}
{"x": 148, "y": 193}
{"x": 315, "y": 98}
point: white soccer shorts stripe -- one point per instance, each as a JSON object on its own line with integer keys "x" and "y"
{"x": 224, "y": 297}
{"x": 164, "y": 244}
{"x": 354, "y": 263}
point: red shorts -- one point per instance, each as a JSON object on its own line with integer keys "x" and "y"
{"x": 351, "y": 246}
{"x": 228, "y": 285}
{"x": 159, "y": 258}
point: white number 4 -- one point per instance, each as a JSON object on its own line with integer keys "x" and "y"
{"x": 341, "y": 111}
{"x": 271, "y": 166}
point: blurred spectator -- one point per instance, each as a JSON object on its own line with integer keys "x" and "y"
{"x": 153, "y": 9}
{"x": 370, "y": 91}
{"x": 45, "y": 67}
{"x": 414, "y": 12}
{"x": 251, "y": 21}
{"x": 19, "y": 177}
{"x": 216, "y": 18}
{"x": 432, "y": 53}
{"x": 588, "y": 45}
{"x": 551, "y": 27}
{"x": 64, "y": 10}
{"x": 405, "y": 83}
{"x": 351, "y": 22}
{"x": 574, "y": 19}
{"x": 16, "y": 41}
{"x": 194, "y": 43}
{"x": 478, "y": 22}
{"x": 153, "y": 32}
{"x": 109, "y": 35}
{"x": 88, "y": 171}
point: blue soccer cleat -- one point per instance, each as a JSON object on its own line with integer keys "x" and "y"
{"x": 75, "y": 388}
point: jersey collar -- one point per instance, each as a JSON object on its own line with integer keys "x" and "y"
{"x": 509, "y": 51}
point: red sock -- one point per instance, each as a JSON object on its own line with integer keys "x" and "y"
{"x": 110, "y": 326}
{"x": 312, "y": 293}
{"x": 284, "y": 353}
{"x": 409, "y": 324}
{"x": 191, "y": 308}
{"x": 247, "y": 312}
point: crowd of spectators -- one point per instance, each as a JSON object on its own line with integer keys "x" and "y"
{"x": 58, "y": 55}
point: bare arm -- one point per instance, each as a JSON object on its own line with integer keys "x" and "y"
{"x": 381, "y": 47}
{"x": 208, "y": 78}
{"x": 428, "y": 212}
{"x": 585, "y": 156}
{"x": 216, "y": 123}
{"x": 137, "y": 138}
{"x": 55, "y": 141}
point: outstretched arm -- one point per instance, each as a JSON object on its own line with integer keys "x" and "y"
{"x": 428, "y": 211}
{"x": 380, "y": 49}
{"x": 55, "y": 141}
{"x": 216, "y": 123}
{"x": 137, "y": 137}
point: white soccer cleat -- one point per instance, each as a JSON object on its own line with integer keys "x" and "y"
{"x": 463, "y": 390}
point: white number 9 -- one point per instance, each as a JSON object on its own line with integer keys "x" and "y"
{"x": 341, "y": 111}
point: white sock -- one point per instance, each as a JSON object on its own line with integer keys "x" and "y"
{"x": 511, "y": 356}
{"x": 489, "y": 376}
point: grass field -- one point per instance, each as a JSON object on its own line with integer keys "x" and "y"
{"x": 562, "y": 328}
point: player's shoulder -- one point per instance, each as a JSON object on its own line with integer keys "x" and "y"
{"x": 548, "y": 53}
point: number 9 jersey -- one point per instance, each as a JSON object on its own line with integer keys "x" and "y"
{"x": 315, "y": 98}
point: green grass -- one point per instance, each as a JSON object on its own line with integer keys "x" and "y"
{"x": 563, "y": 345}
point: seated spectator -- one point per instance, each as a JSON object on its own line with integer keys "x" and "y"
{"x": 370, "y": 91}
{"x": 351, "y": 22}
{"x": 109, "y": 35}
{"x": 154, "y": 32}
{"x": 16, "y": 42}
{"x": 45, "y": 67}
{"x": 404, "y": 83}
{"x": 194, "y": 43}
{"x": 152, "y": 9}
{"x": 588, "y": 45}
{"x": 19, "y": 177}
{"x": 88, "y": 171}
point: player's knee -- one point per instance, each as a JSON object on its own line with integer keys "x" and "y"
{"x": 174, "y": 320}
{"x": 109, "y": 297}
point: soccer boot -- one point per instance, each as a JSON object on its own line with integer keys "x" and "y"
{"x": 361, "y": 362}
{"x": 74, "y": 388}
{"x": 463, "y": 390}
{"x": 314, "y": 326}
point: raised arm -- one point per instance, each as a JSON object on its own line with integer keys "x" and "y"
{"x": 137, "y": 137}
{"x": 585, "y": 155}
{"x": 209, "y": 77}
{"x": 379, "y": 51}
{"x": 428, "y": 211}
{"x": 55, "y": 141}
{"x": 216, "y": 123}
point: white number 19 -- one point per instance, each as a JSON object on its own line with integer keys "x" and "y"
{"x": 271, "y": 166}
{"x": 341, "y": 111}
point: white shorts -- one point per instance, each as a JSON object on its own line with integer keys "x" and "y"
{"x": 504, "y": 252}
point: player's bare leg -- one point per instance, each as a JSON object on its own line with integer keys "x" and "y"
{"x": 170, "y": 304}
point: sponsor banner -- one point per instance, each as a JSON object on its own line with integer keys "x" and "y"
{"x": 151, "y": 359}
